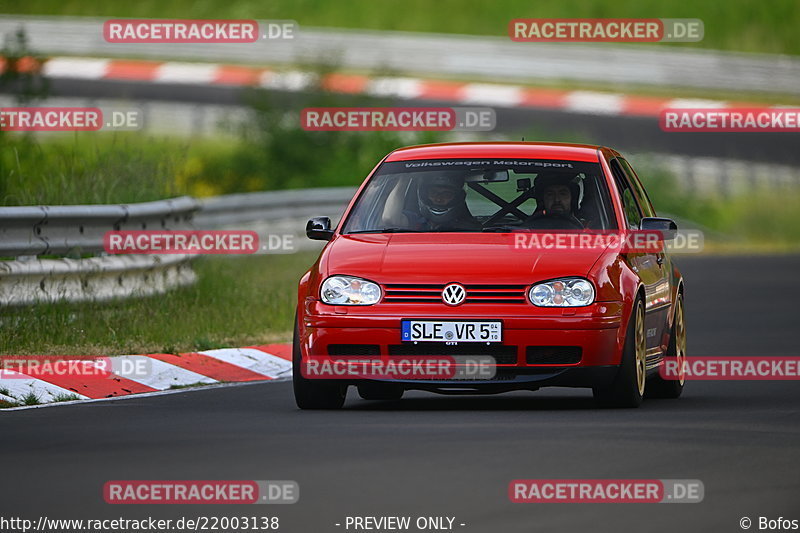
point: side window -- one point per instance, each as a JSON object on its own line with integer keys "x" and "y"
{"x": 641, "y": 194}
{"x": 633, "y": 213}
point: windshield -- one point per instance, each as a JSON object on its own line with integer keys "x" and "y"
{"x": 465, "y": 195}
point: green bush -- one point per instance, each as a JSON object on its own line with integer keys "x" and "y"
{"x": 274, "y": 152}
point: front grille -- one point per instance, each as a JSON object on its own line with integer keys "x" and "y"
{"x": 503, "y": 355}
{"x": 432, "y": 293}
{"x": 553, "y": 355}
{"x": 354, "y": 349}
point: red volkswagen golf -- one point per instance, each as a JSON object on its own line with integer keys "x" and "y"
{"x": 472, "y": 268}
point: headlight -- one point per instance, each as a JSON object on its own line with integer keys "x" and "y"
{"x": 348, "y": 290}
{"x": 566, "y": 292}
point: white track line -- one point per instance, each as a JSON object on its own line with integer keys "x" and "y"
{"x": 79, "y": 67}
{"x": 594, "y": 103}
{"x": 186, "y": 73}
{"x": 488, "y": 94}
{"x": 293, "y": 80}
{"x": 400, "y": 87}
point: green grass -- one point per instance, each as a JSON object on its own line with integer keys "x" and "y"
{"x": 271, "y": 152}
{"x": 114, "y": 168}
{"x": 30, "y": 399}
{"x": 746, "y": 25}
{"x": 89, "y": 169}
{"x": 64, "y": 397}
{"x": 237, "y": 301}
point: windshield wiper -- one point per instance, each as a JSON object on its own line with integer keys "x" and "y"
{"x": 386, "y": 230}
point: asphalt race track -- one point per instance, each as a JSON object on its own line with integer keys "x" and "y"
{"x": 444, "y": 456}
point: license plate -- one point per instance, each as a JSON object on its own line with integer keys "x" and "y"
{"x": 451, "y": 331}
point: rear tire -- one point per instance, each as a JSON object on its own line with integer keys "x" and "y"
{"x": 659, "y": 387}
{"x": 313, "y": 393}
{"x": 380, "y": 391}
{"x": 627, "y": 389}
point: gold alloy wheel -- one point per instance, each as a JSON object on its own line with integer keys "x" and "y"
{"x": 641, "y": 348}
{"x": 680, "y": 341}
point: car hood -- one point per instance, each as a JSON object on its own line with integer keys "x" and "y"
{"x": 446, "y": 257}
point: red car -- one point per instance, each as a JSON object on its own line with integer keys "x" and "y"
{"x": 513, "y": 254}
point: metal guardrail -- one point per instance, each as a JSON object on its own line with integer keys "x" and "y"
{"x": 299, "y": 204}
{"x": 476, "y": 57}
{"x": 28, "y": 232}
{"x": 92, "y": 279}
{"x": 70, "y": 229}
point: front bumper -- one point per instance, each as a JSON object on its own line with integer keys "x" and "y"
{"x": 510, "y": 379}
{"x": 594, "y": 330}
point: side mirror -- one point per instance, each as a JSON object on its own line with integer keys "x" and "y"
{"x": 666, "y": 226}
{"x": 319, "y": 229}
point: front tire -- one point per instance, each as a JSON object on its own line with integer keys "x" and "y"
{"x": 659, "y": 387}
{"x": 313, "y": 393}
{"x": 627, "y": 389}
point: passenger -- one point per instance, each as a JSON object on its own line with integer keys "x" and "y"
{"x": 556, "y": 204}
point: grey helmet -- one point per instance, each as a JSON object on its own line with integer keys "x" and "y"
{"x": 438, "y": 214}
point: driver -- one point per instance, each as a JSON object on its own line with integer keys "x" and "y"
{"x": 557, "y": 204}
{"x": 442, "y": 204}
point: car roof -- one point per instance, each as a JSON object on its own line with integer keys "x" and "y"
{"x": 527, "y": 150}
